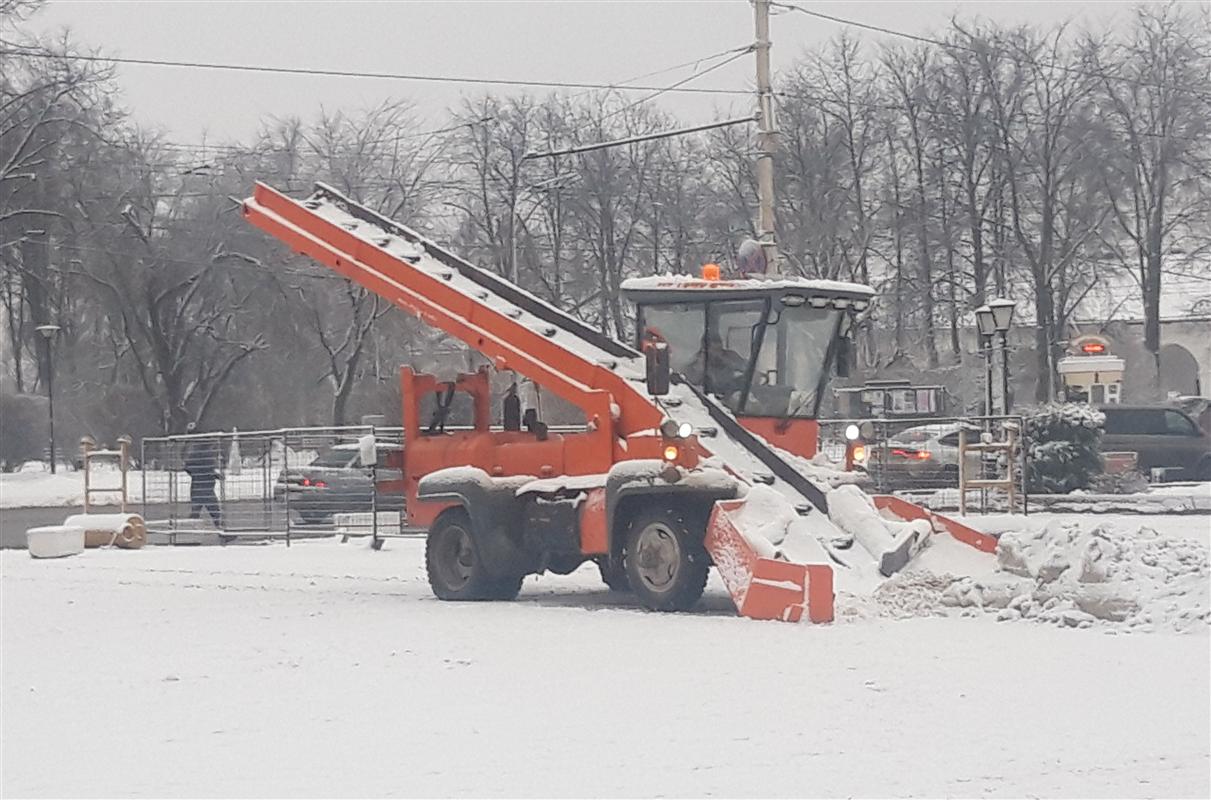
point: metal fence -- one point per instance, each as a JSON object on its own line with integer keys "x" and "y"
{"x": 286, "y": 483}
{"x": 920, "y": 457}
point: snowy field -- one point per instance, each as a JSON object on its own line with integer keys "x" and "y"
{"x": 43, "y": 490}
{"x": 329, "y": 670}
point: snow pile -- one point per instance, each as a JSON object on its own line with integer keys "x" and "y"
{"x": 764, "y": 519}
{"x": 1128, "y": 577}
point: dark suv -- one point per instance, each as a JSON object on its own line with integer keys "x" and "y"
{"x": 1161, "y": 437}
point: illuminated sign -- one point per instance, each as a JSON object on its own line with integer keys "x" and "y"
{"x": 1090, "y": 346}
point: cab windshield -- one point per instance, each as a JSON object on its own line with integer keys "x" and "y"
{"x": 760, "y": 358}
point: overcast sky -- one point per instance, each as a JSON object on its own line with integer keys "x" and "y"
{"x": 572, "y": 40}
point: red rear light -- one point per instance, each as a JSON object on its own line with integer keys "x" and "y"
{"x": 321, "y": 485}
{"x": 306, "y": 481}
{"x": 919, "y": 455}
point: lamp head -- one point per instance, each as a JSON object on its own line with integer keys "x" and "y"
{"x": 1002, "y": 313}
{"x": 48, "y": 331}
{"x": 985, "y": 321}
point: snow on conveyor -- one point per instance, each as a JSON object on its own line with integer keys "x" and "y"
{"x": 804, "y": 539}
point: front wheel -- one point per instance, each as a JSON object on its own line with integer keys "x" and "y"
{"x": 666, "y": 563}
{"x": 454, "y": 567}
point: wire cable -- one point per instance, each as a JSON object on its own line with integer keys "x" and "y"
{"x": 342, "y": 73}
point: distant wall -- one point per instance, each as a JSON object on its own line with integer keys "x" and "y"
{"x": 1141, "y": 381}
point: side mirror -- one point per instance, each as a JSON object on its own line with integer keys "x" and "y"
{"x": 367, "y": 452}
{"x": 656, "y": 354}
{"x": 842, "y": 355}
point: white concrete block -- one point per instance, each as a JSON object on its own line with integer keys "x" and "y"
{"x": 54, "y": 541}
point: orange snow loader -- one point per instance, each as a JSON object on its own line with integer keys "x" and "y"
{"x": 675, "y": 467}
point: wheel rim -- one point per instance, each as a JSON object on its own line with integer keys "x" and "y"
{"x": 657, "y": 556}
{"x": 457, "y": 559}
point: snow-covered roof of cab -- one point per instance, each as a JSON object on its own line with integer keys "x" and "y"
{"x": 656, "y": 287}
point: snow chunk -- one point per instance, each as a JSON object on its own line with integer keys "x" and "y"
{"x": 854, "y": 512}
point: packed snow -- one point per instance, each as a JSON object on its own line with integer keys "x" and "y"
{"x": 682, "y": 282}
{"x": 329, "y": 670}
{"x": 40, "y": 489}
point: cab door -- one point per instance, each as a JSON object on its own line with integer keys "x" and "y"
{"x": 1185, "y": 443}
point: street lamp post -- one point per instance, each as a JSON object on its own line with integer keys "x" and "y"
{"x": 986, "y": 324}
{"x": 1002, "y": 315}
{"x": 48, "y": 334}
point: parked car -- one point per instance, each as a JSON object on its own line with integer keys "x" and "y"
{"x": 924, "y": 455}
{"x": 337, "y": 482}
{"x": 1161, "y": 437}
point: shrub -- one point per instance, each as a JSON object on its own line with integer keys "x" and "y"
{"x": 1063, "y": 447}
{"x": 22, "y": 428}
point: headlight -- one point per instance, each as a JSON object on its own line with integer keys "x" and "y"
{"x": 852, "y": 432}
{"x": 672, "y": 429}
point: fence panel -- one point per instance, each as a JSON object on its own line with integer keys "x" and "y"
{"x": 921, "y": 456}
{"x": 268, "y": 484}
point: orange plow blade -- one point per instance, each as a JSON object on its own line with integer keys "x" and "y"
{"x": 762, "y": 585}
{"x": 942, "y": 524}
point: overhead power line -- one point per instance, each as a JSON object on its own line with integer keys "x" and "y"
{"x": 636, "y": 139}
{"x": 695, "y": 63}
{"x": 674, "y": 87}
{"x": 395, "y": 76}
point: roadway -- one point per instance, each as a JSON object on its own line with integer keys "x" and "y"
{"x": 14, "y": 522}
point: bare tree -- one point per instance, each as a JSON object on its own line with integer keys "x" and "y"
{"x": 1155, "y": 98}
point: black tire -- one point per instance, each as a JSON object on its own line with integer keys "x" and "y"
{"x": 505, "y": 588}
{"x": 614, "y": 574}
{"x": 453, "y": 566}
{"x": 315, "y": 517}
{"x": 666, "y": 563}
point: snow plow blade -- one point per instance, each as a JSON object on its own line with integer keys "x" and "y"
{"x": 764, "y": 585}
{"x": 907, "y": 511}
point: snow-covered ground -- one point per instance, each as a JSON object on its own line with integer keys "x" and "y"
{"x": 34, "y": 486}
{"x": 329, "y": 670}
{"x": 44, "y": 490}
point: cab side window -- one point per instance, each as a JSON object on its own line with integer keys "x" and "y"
{"x": 1135, "y": 421}
{"x": 1178, "y": 425}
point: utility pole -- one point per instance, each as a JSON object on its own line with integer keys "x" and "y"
{"x": 766, "y": 140}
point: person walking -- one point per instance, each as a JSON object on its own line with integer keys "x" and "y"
{"x": 202, "y": 466}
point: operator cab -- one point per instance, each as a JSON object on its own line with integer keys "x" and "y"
{"x": 763, "y": 346}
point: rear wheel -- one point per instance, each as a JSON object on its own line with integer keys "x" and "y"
{"x": 1204, "y": 470}
{"x": 311, "y": 517}
{"x": 666, "y": 563}
{"x": 614, "y": 574}
{"x": 453, "y": 565}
